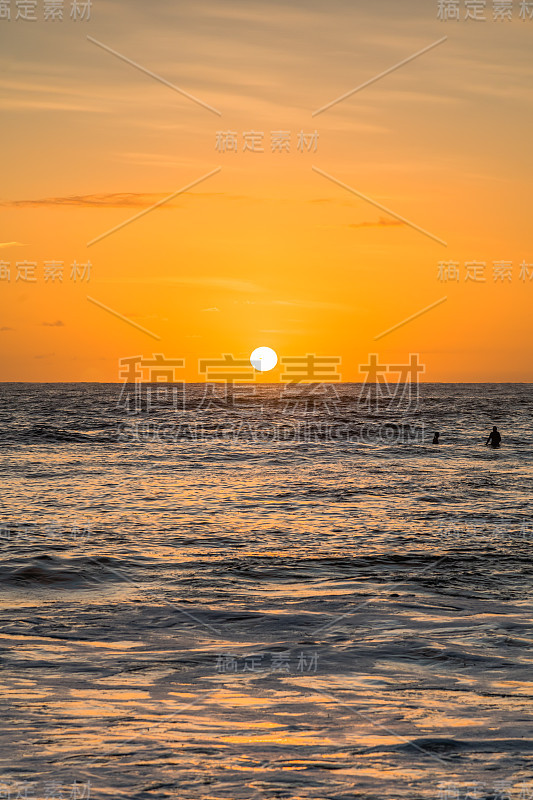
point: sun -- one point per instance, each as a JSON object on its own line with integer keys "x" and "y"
{"x": 263, "y": 359}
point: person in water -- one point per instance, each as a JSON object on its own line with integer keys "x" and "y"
{"x": 436, "y": 438}
{"x": 494, "y": 437}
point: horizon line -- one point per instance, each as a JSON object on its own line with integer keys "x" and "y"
{"x": 264, "y": 383}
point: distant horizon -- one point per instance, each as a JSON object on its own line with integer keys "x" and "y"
{"x": 262, "y": 383}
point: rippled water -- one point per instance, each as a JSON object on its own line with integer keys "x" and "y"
{"x": 202, "y": 615}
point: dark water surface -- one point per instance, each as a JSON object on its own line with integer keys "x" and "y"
{"x": 256, "y": 617}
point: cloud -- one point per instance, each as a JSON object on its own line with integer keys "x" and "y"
{"x": 11, "y": 244}
{"x": 146, "y": 317}
{"x": 308, "y": 304}
{"x": 231, "y": 284}
{"x": 284, "y": 331}
{"x": 382, "y": 222}
{"x": 56, "y": 324}
{"x": 110, "y": 200}
{"x": 294, "y": 304}
{"x": 32, "y": 103}
{"x": 113, "y": 200}
{"x": 214, "y": 308}
{"x": 5, "y": 328}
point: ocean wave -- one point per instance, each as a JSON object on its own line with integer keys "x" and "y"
{"x": 53, "y": 434}
{"x": 46, "y": 570}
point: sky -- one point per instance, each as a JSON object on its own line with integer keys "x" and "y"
{"x": 369, "y": 225}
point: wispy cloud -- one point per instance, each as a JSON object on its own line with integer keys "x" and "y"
{"x": 231, "y": 284}
{"x": 148, "y": 316}
{"x": 381, "y": 75}
{"x": 31, "y": 104}
{"x": 113, "y": 200}
{"x": 382, "y": 222}
{"x": 309, "y": 304}
{"x": 213, "y": 309}
{"x": 295, "y": 304}
{"x": 57, "y": 324}
{"x": 110, "y": 200}
{"x": 153, "y": 159}
{"x": 153, "y": 207}
{"x": 284, "y": 331}
{"x": 357, "y": 193}
{"x": 5, "y": 328}
{"x": 201, "y": 282}
{"x": 3, "y": 245}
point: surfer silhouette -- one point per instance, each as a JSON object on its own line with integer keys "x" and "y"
{"x": 436, "y": 438}
{"x": 494, "y": 437}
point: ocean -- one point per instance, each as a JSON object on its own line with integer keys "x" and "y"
{"x": 244, "y": 596}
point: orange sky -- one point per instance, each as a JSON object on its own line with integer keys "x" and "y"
{"x": 267, "y": 251}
